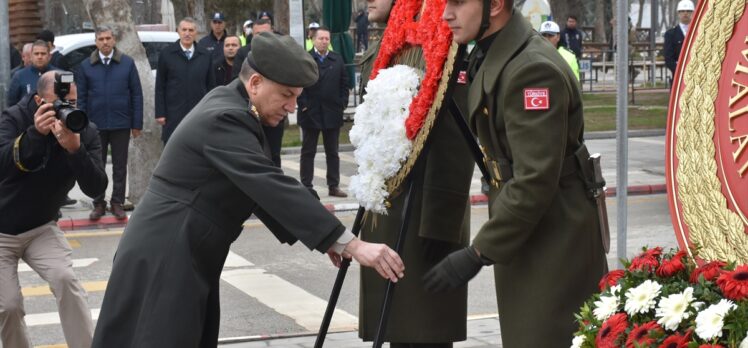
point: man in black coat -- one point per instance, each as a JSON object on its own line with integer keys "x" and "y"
{"x": 213, "y": 42}
{"x": 213, "y": 174}
{"x": 183, "y": 77}
{"x": 674, "y": 36}
{"x": 321, "y": 109}
{"x": 227, "y": 69}
{"x": 571, "y": 37}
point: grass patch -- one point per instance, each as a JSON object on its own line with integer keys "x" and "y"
{"x": 649, "y": 112}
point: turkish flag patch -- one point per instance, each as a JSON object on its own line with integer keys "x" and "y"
{"x": 536, "y": 99}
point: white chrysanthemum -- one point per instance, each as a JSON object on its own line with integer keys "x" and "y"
{"x": 641, "y": 299}
{"x": 607, "y": 305}
{"x": 673, "y": 309}
{"x": 577, "y": 342}
{"x": 710, "y": 321}
{"x": 379, "y": 136}
{"x": 744, "y": 344}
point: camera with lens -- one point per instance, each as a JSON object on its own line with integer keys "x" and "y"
{"x": 74, "y": 119}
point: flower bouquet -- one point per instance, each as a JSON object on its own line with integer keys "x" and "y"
{"x": 666, "y": 300}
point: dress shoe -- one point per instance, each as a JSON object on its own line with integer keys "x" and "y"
{"x": 98, "y": 211}
{"x": 69, "y": 201}
{"x": 336, "y": 192}
{"x": 118, "y": 211}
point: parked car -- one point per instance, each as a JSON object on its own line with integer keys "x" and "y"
{"x": 77, "y": 47}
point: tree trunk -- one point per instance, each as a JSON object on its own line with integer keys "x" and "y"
{"x": 562, "y": 9}
{"x": 146, "y": 149}
{"x": 281, "y": 20}
{"x": 599, "y": 31}
{"x": 196, "y": 10}
{"x": 641, "y": 14}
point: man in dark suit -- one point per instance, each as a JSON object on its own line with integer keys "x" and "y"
{"x": 321, "y": 109}
{"x": 674, "y": 36}
{"x": 215, "y": 172}
{"x": 226, "y": 69}
{"x": 183, "y": 77}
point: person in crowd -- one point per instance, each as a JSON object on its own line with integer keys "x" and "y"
{"x": 41, "y": 160}
{"x": 24, "y": 80}
{"x": 674, "y": 36}
{"x": 550, "y": 31}
{"x": 228, "y": 67}
{"x": 56, "y": 58}
{"x": 246, "y": 36}
{"x": 109, "y": 92}
{"x": 542, "y": 236}
{"x": 215, "y": 172}
{"x": 25, "y": 58}
{"x": 183, "y": 77}
{"x": 15, "y": 57}
{"x": 572, "y": 37}
{"x": 362, "y": 31}
{"x": 259, "y": 26}
{"x": 321, "y": 109}
{"x": 213, "y": 42}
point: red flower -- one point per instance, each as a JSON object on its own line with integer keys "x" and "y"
{"x": 709, "y": 271}
{"x": 647, "y": 261}
{"x": 734, "y": 284}
{"x": 612, "y": 331}
{"x": 611, "y": 279}
{"x": 639, "y": 336}
{"x": 671, "y": 267}
{"x": 676, "y": 341}
{"x": 710, "y": 346}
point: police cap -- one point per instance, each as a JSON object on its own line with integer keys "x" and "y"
{"x": 280, "y": 59}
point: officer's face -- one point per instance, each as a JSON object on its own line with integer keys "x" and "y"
{"x": 39, "y": 56}
{"x": 463, "y": 18}
{"x": 553, "y": 38}
{"x": 379, "y": 10}
{"x": 187, "y": 33}
{"x": 322, "y": 40}
{"x": 105, "y": 42}
{"x": 218, "y": 27}
{"x": 685, "y": 16}
{"x": 231, "y": 46}
{"x": 272, "y": 100}
{"x": 571, "y": 23}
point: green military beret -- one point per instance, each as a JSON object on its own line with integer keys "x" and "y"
{"x": 281, "y": 59}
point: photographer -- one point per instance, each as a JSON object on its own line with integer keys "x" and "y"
{"x": 40, "y": 161}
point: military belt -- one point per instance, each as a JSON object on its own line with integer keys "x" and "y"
{"x": 501, "y": 170}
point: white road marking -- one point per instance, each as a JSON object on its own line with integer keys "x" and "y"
{"x": 233, "y": 260}
{"x": 77, "y": 263}
{"x": 649, "y": 141}
{"x": 52, "y": 318}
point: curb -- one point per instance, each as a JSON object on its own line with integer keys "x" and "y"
{"x": 69, "y": 224}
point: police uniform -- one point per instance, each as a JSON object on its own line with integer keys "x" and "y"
{"x": 542, "y": 232}
{"x": 214, "y": 173}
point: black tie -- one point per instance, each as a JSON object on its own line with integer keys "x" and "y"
{"x": 106, "y": 60}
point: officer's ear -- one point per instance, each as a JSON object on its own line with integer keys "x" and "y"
{"x": 497, "y": 6}
{"x": 254, "y": 83}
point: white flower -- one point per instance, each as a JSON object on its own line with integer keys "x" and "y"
{"x": 673, "y": 309}
{"x": 577, "y": 342}
{"x": 608, "y": 305}
{"x": 379, "y": 134}
{"x": 642, "y": 298}
{"x": 744, "y": 344}
{"x": 709, "y": 322}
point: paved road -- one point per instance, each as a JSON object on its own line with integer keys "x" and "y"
{"x": 268, "y": 289}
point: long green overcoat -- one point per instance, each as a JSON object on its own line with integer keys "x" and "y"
{"x": 441, "y": 211}
{"x": 542, "y": 230}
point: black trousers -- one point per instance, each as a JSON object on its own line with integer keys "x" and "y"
{"x": 309, "y": 150}
{"x": 363, "y": 39}
{"x": 119, "y": 139}
{"x": 274, "y": 136}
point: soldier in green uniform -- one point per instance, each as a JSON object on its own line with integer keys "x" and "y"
{"x": 439, "y": 224}
{"x": 542, "y": 234}
{"x": 214, "y": 173}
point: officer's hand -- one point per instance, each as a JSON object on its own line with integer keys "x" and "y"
{"x": 434, "y": 250}
{"x": 378, "y": 256}
{"x": 161, "y": 120}
{"x": 454, "y": 271}
{"x": 44, "y": 118}
{"x": 69, "y": 141}
{"x": 135, "y": 133}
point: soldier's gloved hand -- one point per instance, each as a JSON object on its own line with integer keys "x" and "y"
{"x": 455, "y": 270}
{"x": 434, "y": 249}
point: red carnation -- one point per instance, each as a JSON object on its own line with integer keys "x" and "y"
{"x": 671, "y": 267}
{"x": 612, "y": 331}
{"x": 611, "y": 279}
{"x": 710, "y": 346}
{"x": 677, "y": 341}
{"x": 734, "y": 284}
{"x": 647, "y": 261}
{"x": 709, "y": 271}
{"x": 639, "y": 336}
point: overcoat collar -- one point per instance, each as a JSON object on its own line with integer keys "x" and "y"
{"x": 116, "y": 56}
{"x": 509, "y": 40}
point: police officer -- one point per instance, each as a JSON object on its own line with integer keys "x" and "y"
{"x": 213, "y": 42}
{"x": 674, "y": 36}
{"x": 550, "y": 31}
{"x": 214, "y": 173}
{"x": 542, "y": 234}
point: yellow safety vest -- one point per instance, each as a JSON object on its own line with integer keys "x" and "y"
{"x": 571, "y": 59}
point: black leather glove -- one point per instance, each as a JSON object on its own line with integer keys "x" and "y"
{"x": 435, "y": 250}
{"x": 454, "y": 271}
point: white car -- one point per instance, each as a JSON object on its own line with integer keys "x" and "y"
{"x": 77, "y": 47}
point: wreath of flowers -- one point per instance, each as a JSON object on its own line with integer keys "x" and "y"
{"x": 383, "y": 157}
{"x": 666, "y": 300}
